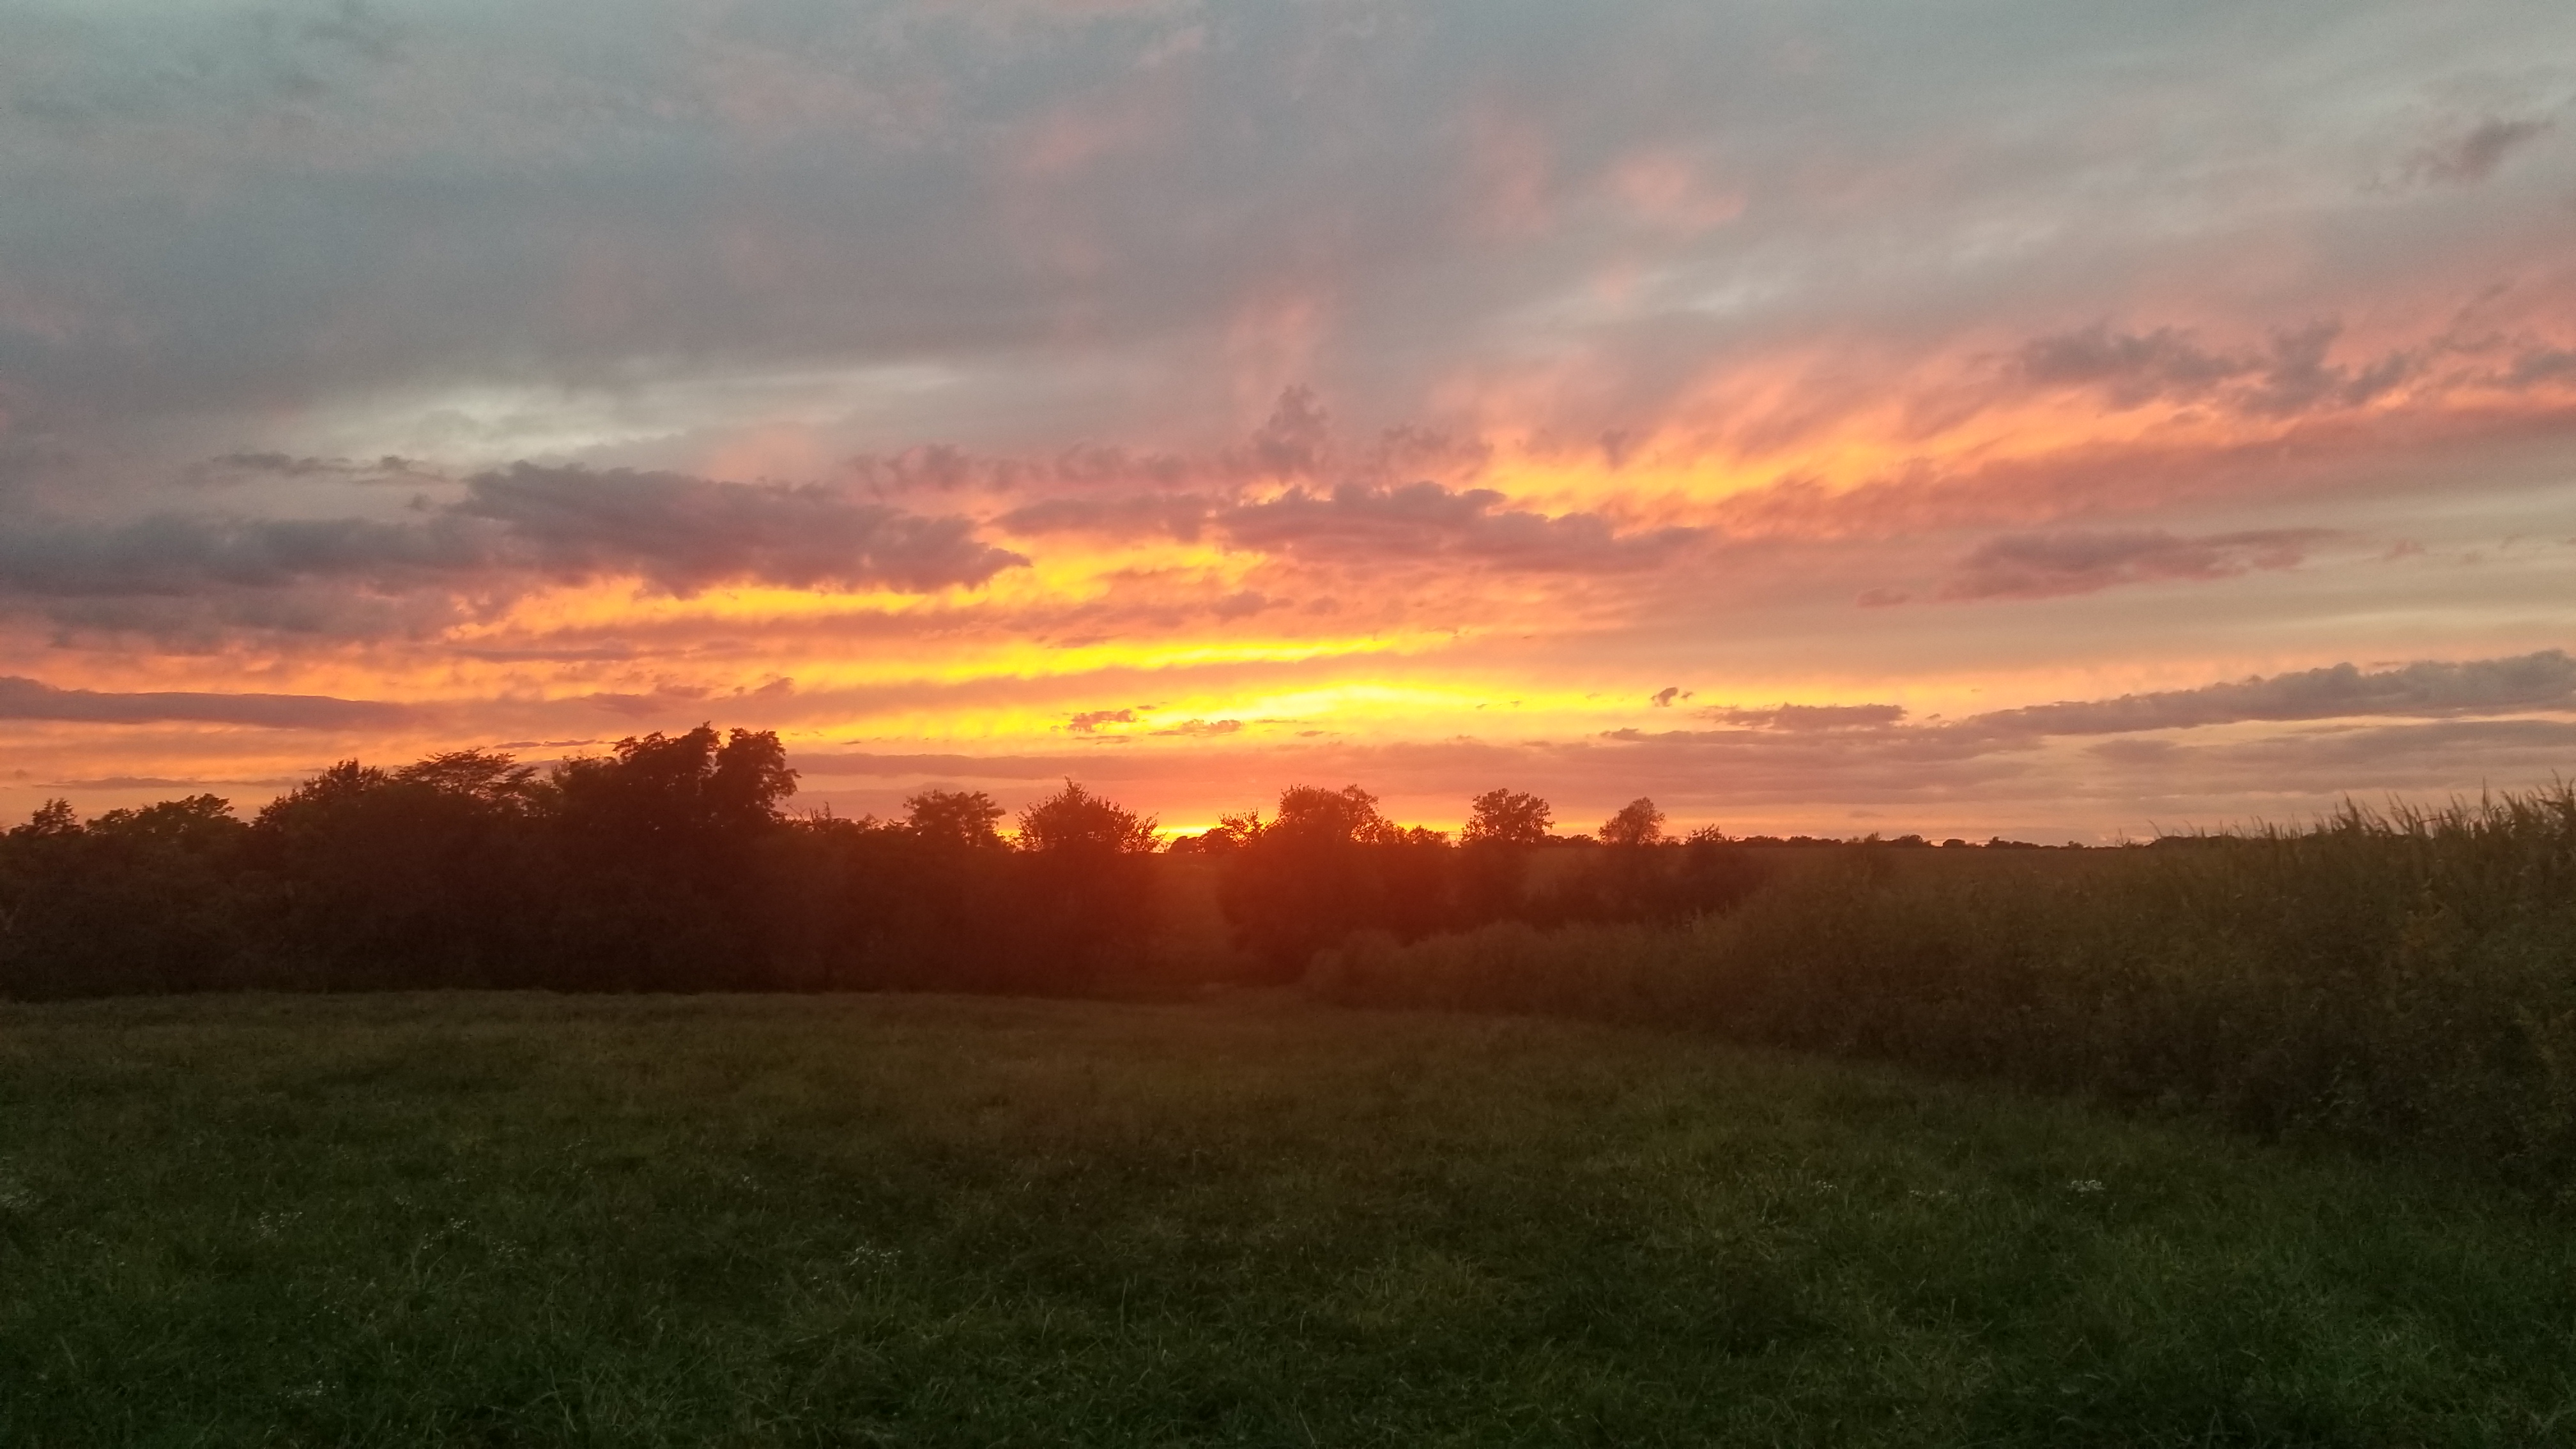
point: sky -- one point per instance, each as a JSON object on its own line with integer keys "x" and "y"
{"x": 1988, "y": 417}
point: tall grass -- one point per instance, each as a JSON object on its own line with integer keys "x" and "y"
{"x": 2402, "y": 977}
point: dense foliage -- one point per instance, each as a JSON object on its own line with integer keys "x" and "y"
{"x": 672, "y": 863}
{"x": 2398, "y": 979}
{"x": 667, "y": 864}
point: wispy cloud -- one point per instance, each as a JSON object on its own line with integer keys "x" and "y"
{"x": 1425, "y": 520}
{"x": 2048, "y": 565}
{"x": 2542, "y": 681}
{"x": 2473, "y": 154}
{"x": 510, "y": 532}
{"x": 28, "y": 699}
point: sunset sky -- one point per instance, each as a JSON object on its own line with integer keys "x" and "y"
{"x": 2006, "y": 416}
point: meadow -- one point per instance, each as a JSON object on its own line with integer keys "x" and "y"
{"x": 504, "y": 1218}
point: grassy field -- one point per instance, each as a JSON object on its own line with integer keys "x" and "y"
{"x": 530, "y": 1219}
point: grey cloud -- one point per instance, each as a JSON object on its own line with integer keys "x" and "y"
{"x": 241, "y": 467}
{"x": 2298, "y": 378}
{"x": 1420, "y": 519}
{"x": 1885, "y": 763}
{"x": 2050, "y": 565}
{"x": 357, "y": 28}
{"x": 492, "y": 194}
{"x": 2132, "y": 367}
{"x": 687, "y": 533}
{"x": 2436, "y": 746}
{"x": 826, "y": 764}
{"x": 180, "y": 555}
{"x": 2542, "y": 364}
{"x": 681, "y": 533}
{"x": 1181, "y": 516}
{"x": 661, "y": 700}
{"x": 2433, "y": 758}
{"x": 2542, "y": 681}
{"x": 33, "y": 700}
{"x": 1819, "y": 734}
{"x": 2134, "y": 752}
{"x": 1190, "y": 491}
{"x": 2474, "y": 154}
{"x": 1809, "y": 718}
{"x": 2292, "y": 376}
{"x": 1292, "y": 444}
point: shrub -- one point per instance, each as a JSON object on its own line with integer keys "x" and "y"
{"x": 2401, "y": 978}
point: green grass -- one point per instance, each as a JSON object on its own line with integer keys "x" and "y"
{"x": 528, "y": 1219}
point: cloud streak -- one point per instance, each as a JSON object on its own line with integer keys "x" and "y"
{"x": 28, "y": 699}
{"x": 1420, "y": 520}
{"x": 512, "y": 531}
{"x": 2051, "y": 565}
{"x": 2542, "y": 681}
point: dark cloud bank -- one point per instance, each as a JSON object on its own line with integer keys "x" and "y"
{"x": 2529, "y": 682}
{"x": 28, "y": 699}
{"x": 513, "y": 529}
{"x": 2050, "y": 565}
{"x": 1373, "y": 523}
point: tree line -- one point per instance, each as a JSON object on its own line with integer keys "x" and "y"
{"x": 673, "y": 863}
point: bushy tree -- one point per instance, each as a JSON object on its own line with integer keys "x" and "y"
{"x": 1089, "y": 887}
{"x": 1347, "y": 816}
{"x": 1493, "y": 875}
{"x": 669, "y": 863}
{"x": 657, "y": 846}
{"x": 423, "y": 875}
{"x": 1637, "y": 823}
{"x": 958, "y": 819}
{"x": 1506, "y": 817}
{"x": 660, "y": 790}
{"x": 1073, "y": 821}
{"x": 151, "y": 899}
{"x": 1327, "y": 864}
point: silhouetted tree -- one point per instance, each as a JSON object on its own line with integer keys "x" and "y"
{"x": 656, "y": 845}
{"x": 669, "y": 863}
{"x": 1087, "y": 881}
{"x": 1505, "y": 817}
{"x": 1327, "y": 864}
{"x": 424, "y": 875}
{"x": 1637, "y": 823}
{"x": 1074, "y": 822}
{"x": 150, "y": 899}
{"x": 964, "y": 819}
{"x": 1502, "y": 826}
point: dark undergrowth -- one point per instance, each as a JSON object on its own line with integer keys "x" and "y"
{"x": 2400, "y": 979}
